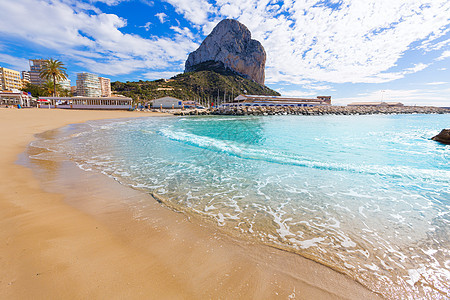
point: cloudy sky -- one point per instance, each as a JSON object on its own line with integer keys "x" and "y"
{"x": 353, "y": 50}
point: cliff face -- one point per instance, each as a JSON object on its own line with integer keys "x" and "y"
{"x": 230, "y": 46}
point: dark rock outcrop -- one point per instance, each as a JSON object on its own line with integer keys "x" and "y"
{"x": 229, "y": 47}
{"x": 443, "y": 137}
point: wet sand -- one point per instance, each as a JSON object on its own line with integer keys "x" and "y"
{"x": 66, "y": 233}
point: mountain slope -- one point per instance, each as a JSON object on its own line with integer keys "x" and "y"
{"x": 193, "y": 86}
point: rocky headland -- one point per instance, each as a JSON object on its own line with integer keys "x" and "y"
{"x": 230, "y": 48}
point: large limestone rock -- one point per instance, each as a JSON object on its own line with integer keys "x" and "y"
{"x": 229, "y": 46}
{"x": 443, "y": 137}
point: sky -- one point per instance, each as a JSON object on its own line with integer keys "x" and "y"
{"x": 352, "y": 50}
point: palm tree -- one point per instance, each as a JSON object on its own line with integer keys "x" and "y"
{"x": 54, "y": 69}
{"x": 48, "y": 88}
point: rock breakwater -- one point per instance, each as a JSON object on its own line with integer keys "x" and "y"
{"x": 316, "y": 111}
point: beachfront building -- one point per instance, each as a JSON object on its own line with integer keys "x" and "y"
{"x": 105, "y": 86}
{"x": 80, "y": 102}
{"x": 389, "y": 104}
{"x": 35, "y": 71}
{"x": 73, "y": 89}
{"x": 88, "y": 85}
{"x": 25, "y": 78}
{"x": 277, "y": 101}
{"x": 167, "y": 102}
{"x": 24, "y": 83}
{"x": 26, "y": 75}
{"x": 65, "y": 84}
{"x": 10, "y": 79}
{"x": 16, "y": 97}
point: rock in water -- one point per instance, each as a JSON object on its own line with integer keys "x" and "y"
{"x": 443, "y": 137}
{"x": 229, "y": 46}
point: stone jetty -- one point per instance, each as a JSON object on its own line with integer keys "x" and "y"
{"x": 316, "y": 110}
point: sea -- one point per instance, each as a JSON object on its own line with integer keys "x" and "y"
{"x": 368, "y": 196}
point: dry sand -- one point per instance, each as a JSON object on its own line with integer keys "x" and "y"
{"x": 81, "y": 239}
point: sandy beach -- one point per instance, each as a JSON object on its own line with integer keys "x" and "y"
{"x": 79, "y": 239}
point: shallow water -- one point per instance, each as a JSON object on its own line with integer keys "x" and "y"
{"x": 367, "y": 195}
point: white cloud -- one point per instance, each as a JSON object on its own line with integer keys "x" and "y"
{"x": 307, "y": 42}
{"x": 195, "y": 11}
{"x": 415, "y": 69}
{"x": 146, "y": 26}
{"x": 109, "y": 2}
{"x": 357, "y": 41}
{"x": 429, "y": 46}
{"x": 183, "y": 31}
{"x": 436, "y": 83}
{"x": 161, "y": 16}
{"x": 159, "y": 74}
{"x": 408, "y": 97}
{"x": 296, "y": 93}
{"x": 148, "y": 2}
{"x": 13, "y": 62}
{"x": 94, "y": 40}
{"x": 444, "y": 55}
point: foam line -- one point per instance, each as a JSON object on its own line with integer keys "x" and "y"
{"x": 280, "y": 157}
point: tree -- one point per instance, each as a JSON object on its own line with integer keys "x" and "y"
{"x": 34, "y": 90}
{"x": 64, "y": 92}
{"x": 48, "y": 88}
{"x": 54, "y": 69}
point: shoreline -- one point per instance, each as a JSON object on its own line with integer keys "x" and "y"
{"x": 84, "y": 241}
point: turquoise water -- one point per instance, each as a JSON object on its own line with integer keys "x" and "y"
{"x": 367, "y": 195}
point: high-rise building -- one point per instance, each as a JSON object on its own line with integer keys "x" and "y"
{"x": 105, "y": 85}
{"x": 26, "y": 75}
{"x": 35, "y": 71}
{"x": 25, "y": 78}
{"x": 65, "y": 84}
{"x": 10, "y": 79}
{"x": 88, "y": 85}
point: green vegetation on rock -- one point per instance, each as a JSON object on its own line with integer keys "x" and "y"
{"x": 192, "y": 86}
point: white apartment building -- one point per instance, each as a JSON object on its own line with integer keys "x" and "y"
{"x": 88, "y": 85}
{"x": 26, "y": 75}
{"x": 35, "y": 71}
{"x": 65, "y": 84}
{"x": 25, "y": 78}
{"x": 105, "y": 85}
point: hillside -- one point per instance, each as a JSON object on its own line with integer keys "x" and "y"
{"x": 192, "y": 86}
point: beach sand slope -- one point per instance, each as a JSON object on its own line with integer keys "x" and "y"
{"x": 83, "y": 242}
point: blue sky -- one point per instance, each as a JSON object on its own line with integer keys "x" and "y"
{"x": 352, "y": 50}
